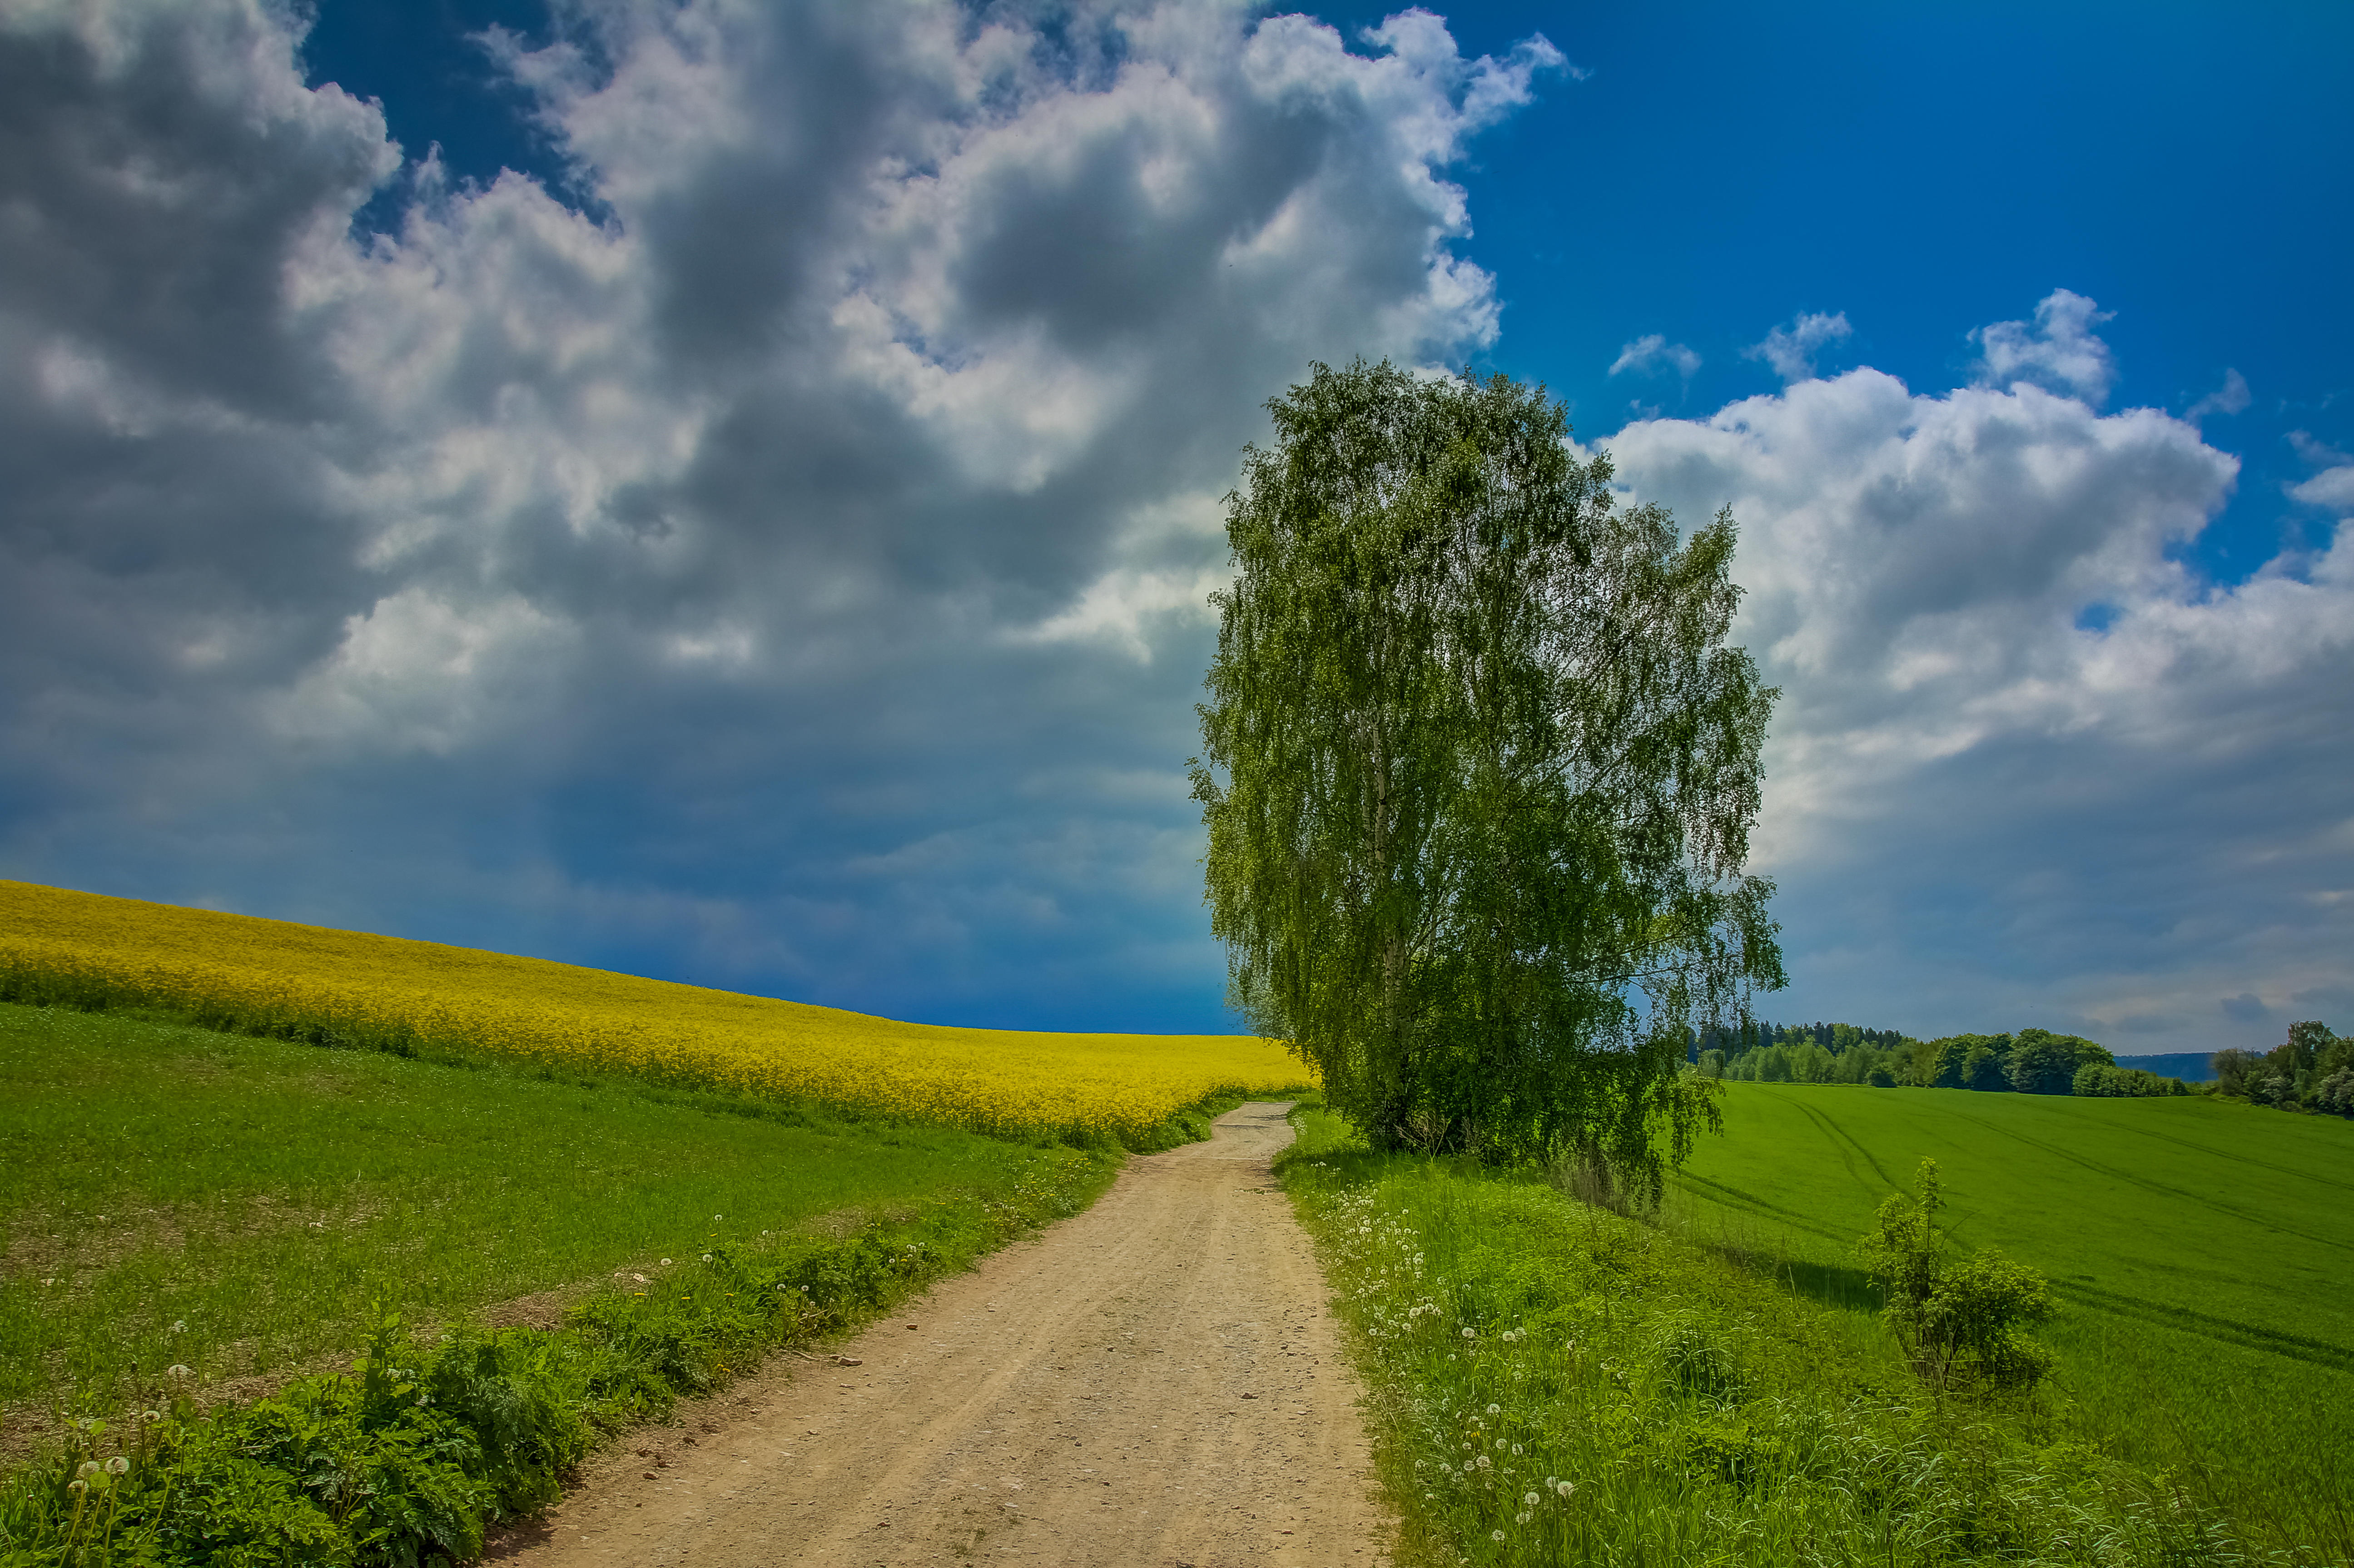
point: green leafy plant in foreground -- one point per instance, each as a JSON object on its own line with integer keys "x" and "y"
{"x": 1556, "y": 1383}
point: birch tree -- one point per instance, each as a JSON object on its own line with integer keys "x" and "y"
{"x": 1478, "y": 773}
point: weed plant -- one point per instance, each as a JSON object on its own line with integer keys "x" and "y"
{"x": 1555, "y": 1383}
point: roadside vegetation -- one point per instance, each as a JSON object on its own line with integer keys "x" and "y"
{"x": 1765, "y": 1375}
{"x": 202, "y": 1228}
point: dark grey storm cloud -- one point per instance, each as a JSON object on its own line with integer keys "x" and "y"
{"x": 788, "y": 573}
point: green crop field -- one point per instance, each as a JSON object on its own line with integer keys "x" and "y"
{"x": 2203, "y": 1252}
{"x": 243, "y": 1206}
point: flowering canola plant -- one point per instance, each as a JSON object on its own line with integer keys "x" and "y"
{"x": 308, "y": 981}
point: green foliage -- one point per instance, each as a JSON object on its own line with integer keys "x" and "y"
{"x": 1962, "y": 1322}
{"x": 1478, "y": 774}
{"x": 2313, "y": 1070}
{"x": 2195, "y": 1247}
{"x": 2098, "y": 1079}
{"x": 2033, "y": 1060}
{"x": 1552, "y": 1384}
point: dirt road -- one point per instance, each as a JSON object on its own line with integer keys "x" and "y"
{"x": 1153, "y": 1383}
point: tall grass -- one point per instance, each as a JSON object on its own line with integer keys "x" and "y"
{"x": 1556, "y": 1383}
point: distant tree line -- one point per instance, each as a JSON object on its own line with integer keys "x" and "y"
{"x": 2312, "y": 1070}
{"x": 2031, "y": 1061}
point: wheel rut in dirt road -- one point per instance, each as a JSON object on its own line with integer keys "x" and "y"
{"x": 1156, "y": 1381}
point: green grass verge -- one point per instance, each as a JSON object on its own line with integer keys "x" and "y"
{"x": 2203, "y": 1251}
{"x": 1554, "y": 1383}
{"x": 243, "y": 1207}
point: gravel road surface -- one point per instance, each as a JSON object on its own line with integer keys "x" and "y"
{"x": 1154, "y": 1384}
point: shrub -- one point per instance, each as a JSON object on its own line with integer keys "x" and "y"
{"x": 1961, "y": 1321}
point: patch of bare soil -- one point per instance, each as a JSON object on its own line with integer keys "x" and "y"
{"x": 1156, "y": 1381}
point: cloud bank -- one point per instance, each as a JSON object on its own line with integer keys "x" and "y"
{"x": 791, "y": 576}
{"x": 2027, "y": 764}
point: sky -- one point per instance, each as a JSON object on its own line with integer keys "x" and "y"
{"x": 730, "y": 490}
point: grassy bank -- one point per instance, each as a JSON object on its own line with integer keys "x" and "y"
{"x": 1554, "y": 1384}
{"x": 2203, "y": 1251}
{"x": 196, "y": 1222}
{"x": 243, "y": 1206}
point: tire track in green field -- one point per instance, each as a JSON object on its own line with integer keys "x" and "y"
{"x": 2248, "y": 1216}
{"x": 2288, "y": 1170}
{"x": 1838, "y": 1136}
{"x": 1734, "y": 1197}
{"x": 2206, "y": 1325}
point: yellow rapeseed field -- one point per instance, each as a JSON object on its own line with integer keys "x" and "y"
{"x": 310, "y": 981}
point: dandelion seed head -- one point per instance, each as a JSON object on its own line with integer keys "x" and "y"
{"x": 118, "y": 1466}
{"x": 89, "y": 1468}
{"x": 1495, "y": 1535}
{"x": 1495, "y": 1410}
{"x": 1531, "y": 1499}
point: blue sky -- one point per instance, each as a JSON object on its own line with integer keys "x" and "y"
{"x": 762, "y": 540}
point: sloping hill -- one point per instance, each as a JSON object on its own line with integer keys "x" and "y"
{"x": 2203, "y": 1252}
{"x": 271, "y": 977}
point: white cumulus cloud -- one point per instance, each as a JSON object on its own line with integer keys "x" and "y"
{"x": 1791, "y": 350}
{"x": 1653, "y": 352}
{"x": 2027, "y": 764}
{"x": 2058, "y": 351}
